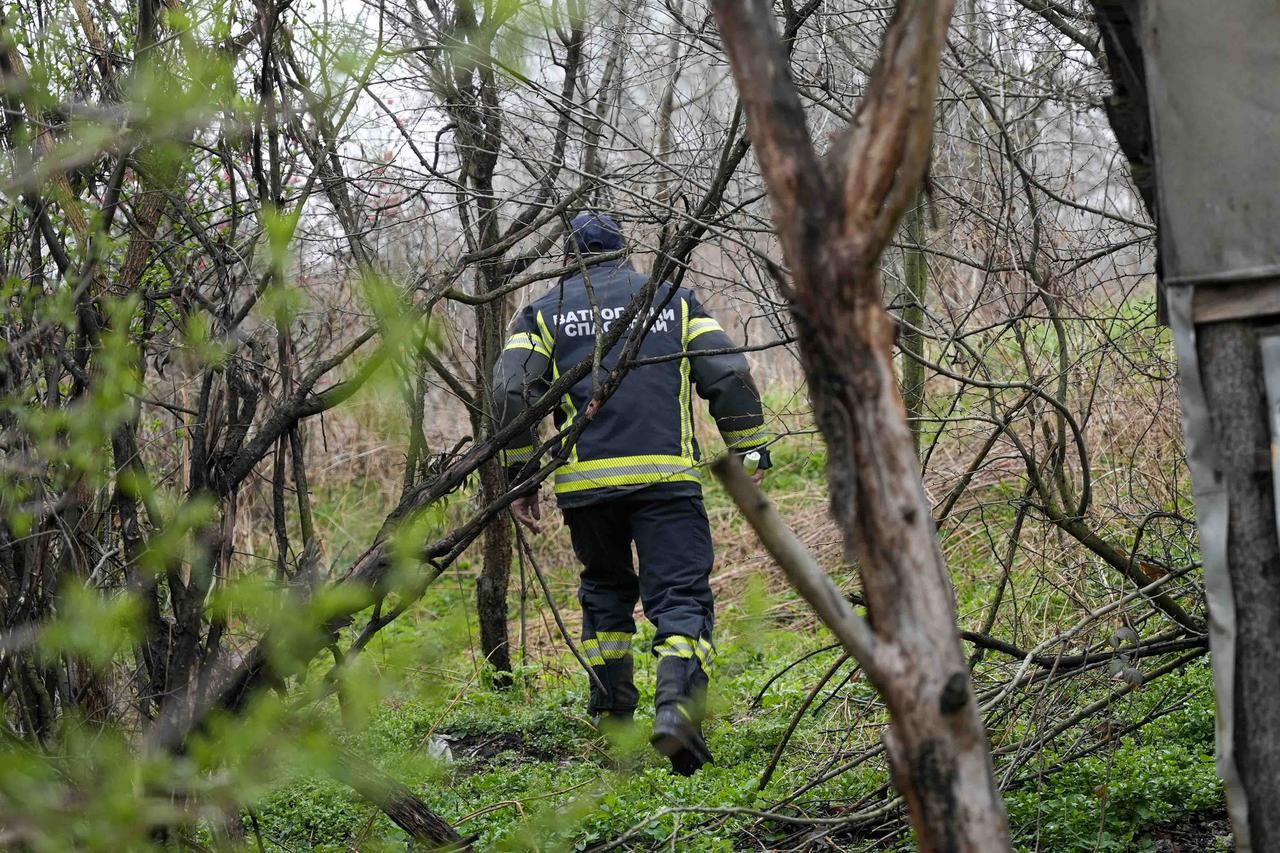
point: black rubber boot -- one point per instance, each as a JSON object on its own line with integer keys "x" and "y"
{"x": 677, "y": 726}
{"x": 679, "y": 737}
{"x": 619, "y": 696}
{"x": 608, "y": 722}
{"x": 681, "y": 681}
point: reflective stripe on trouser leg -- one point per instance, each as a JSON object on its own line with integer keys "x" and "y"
{"x": 683, "y": 665}
{"x": 608, "y": 593}
{"x": 609, "y": 653}
{"x": 675, "y": 645}
{"x": 673, "y": 541}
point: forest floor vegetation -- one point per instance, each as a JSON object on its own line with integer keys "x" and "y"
{"x": 521, "y": 768}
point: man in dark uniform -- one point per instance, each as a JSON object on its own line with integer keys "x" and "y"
{"x": 633, "y": 475}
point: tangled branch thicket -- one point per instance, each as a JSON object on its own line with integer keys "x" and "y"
{"x": 254, "y": 253}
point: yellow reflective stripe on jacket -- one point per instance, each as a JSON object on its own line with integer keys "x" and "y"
{"x": 743, "y": 439}
{"x": 515, "y": 455}
{"x": 624, "y": 471}
{"x": 548, "y": 341}
{"x": 686, "y": 395}
{"x": 566, "y": 402}
{"x": 700, "y": 326}
{"x": 525, "y": 340}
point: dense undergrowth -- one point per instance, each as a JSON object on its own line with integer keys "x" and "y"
{"x": 520, "y": 768}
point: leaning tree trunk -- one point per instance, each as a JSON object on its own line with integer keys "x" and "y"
{"x": 834, "y": 220}
{"x": 405, "y": 808}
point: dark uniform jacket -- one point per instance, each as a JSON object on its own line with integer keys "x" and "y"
{"x": 643, "y": 436}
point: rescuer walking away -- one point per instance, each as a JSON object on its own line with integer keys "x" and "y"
{"x": 632, "y": 477}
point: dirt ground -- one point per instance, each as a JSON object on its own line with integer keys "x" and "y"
{"x": 1198, "y": 833}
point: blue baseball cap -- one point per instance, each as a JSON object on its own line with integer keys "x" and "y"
{"x": 592, "y": 233}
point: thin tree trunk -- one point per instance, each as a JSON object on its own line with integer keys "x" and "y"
{"x": 495, "y": 571}
{"x": 915, "y": 274}
{"x": 480, "y": 124}
{"x": 666, "y": 109}
{"x": 495, "y": 577}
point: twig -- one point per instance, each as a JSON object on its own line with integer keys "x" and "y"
{"x": 795, "y": 721}
{"x": 555, "y": 611}
{"x": 519, "y": 804}
{"x": 755, "y": 703}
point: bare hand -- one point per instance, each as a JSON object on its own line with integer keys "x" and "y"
{"x": 758, "y": 477}
{"x": 528, "y": 511}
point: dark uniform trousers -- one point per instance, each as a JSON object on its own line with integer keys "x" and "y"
{"x": 673, "y": 542}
